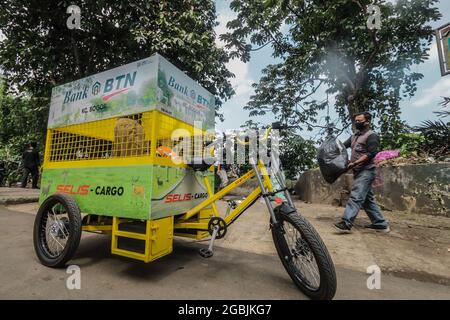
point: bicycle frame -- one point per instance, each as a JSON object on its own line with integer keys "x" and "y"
{"x": 194, "y": 223}
{"x": 265, "y": 189}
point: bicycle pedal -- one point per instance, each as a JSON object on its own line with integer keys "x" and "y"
{"x": 206, "y": 253}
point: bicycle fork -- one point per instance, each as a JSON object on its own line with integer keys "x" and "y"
{"x": 275, "y": 224}
{"x": 278, "y": 174}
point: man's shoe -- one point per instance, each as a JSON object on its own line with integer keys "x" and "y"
{"x": 342, "y": 227}
{"x": 384, "y": 229}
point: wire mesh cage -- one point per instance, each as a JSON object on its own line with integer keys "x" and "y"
{"x": 128, "y": 137}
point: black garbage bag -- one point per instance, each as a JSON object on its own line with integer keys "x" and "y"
{"x": 333, "y": 158}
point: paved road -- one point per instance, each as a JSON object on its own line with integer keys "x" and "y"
{"x": 230, "y": 274}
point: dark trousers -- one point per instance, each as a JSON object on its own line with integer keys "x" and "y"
{"x": 362, "y": 197}
{"x": 34, "y": 175}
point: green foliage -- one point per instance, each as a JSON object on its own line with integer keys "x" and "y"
{"x": 431, "y": 137}
{"x": 22, "y": 120}
{"x": 436, "y": 134}
{"x": 409, "y": 144}
{"x": 12, "y": 165}
{"x": 296, "y": 154}
{"x": 326, "y": 45}
{"x": 393, "y": 132}
{"x": 445, "y": 104}
{"x": 436, "y": 137}
{"x": 39, "y": 51}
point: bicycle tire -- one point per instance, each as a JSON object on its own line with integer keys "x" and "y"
{"x": 74, "y": 237}
{"x": 328, "y": 282}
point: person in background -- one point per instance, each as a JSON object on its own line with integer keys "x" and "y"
{"x": 31, "y": 162}
{"x": 364, "y": 144}
{"x": 2, "y": 172}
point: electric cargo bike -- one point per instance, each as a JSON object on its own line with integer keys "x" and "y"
{"x": 112, "y": 166}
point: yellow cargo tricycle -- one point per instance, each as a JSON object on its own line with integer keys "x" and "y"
{"x": 115, "y": 163}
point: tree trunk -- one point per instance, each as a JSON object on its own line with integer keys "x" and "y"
{"x": 76, "y": 55}
{"x": 352, "y": 109}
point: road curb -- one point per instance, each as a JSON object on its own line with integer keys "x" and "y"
{"x": 10, "y": 201}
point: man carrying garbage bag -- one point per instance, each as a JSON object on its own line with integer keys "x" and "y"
{"x": 364, "y": 144}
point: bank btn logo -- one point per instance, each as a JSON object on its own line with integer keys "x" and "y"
{"x": 112, "y": 87}
{"x": 96, "y": 88}
{"x": 200, "y": 101}
{"x": 193, "y": 95}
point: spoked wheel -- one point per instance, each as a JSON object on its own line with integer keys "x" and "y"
{"x": 303, "y": 254}
{"x": 57, "y": 230}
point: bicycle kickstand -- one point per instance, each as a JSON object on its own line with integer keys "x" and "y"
{"x": 208, "y": 253}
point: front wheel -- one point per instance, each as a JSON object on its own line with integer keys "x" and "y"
{"x": 303, "y": 254}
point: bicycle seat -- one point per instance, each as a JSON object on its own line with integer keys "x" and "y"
{"x": 201, "y": 163}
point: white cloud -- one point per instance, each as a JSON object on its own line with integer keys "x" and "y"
{"x": 242, "y": 81}
{"x": 222, "y": 18}
{"x": 430, "y": 97}
{"x": 433, "y": 52}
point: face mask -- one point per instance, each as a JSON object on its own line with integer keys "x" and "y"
{"x": 359, "y": 125}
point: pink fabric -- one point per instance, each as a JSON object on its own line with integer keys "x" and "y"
{"x": 386, "y": 154}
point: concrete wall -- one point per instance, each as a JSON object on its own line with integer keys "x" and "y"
{"x": 419, "y": 188}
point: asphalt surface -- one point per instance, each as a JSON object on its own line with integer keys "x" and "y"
{"x": 230, "y": 274}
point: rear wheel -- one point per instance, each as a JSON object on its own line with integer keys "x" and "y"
{"x": 57, "y": 230}
{"x": 303, "y": 254}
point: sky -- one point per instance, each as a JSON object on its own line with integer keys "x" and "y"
{"x": 415, "y": 110}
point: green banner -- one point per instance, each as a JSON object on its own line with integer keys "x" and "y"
{"x": 137, "y": 192}
{"x": 447, "y": 49}
{"x": 148, "y": 84}
{"x": 118, "y": 191}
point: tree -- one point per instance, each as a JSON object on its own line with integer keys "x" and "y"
{"x": 436, "y": 134}
{"x": 22, "y": 120}
{"x": 296, "y": 154}
{"x": 445, "y": 105}
{"x": 39, "y": 51}
{"x": 327, "y": 44}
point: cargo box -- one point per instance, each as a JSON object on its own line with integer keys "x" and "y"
{"x": 118, "y": 141}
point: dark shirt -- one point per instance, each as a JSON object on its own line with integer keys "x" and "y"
{"x": 363, "y": 143}
{"x": 372, "y": 145}
{"x": 31, "y": 158}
